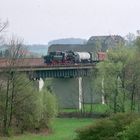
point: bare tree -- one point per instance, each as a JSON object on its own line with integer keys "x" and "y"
{"x": 12, "y": 85}
{"x": 3, "y": 26}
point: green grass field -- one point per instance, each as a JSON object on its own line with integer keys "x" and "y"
{"x": 64, "y": 129}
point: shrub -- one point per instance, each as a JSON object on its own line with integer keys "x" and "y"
{"x": 103, "y": 129}
{"x": 29, "y": 110}
{"x": 107, "y": 129}
{"x": 36, "y": 112}
{"x": 121, "y": 120}
{"x": 49, "y": 108}
{"x": 133, "y": 131}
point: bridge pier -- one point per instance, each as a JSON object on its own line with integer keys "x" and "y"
{"x": 103, "y": 92}
{"x": 39, "y": 84}
{"x": 72, "y": 92}
{"x": 80, "y": 92}
{"x": 66, "y": 90}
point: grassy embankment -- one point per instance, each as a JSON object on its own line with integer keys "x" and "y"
{"x": 64, "y": 129}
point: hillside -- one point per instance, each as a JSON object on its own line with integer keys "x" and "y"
{"x": 68, "y": 41}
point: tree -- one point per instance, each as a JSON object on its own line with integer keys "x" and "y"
{"x": 10, "y": 82}
{"x": 113, "y": 71}
{"x": 22, "y": 108}
{"x": 135, "y": 74}
{"x": 3, "y": 26}
{"x": 130, "y": 39}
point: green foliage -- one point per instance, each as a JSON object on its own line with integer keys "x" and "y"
{"x": 107, "y": 129}
{"x": 133, "y": 131}
{"x": 118, "y": 79}
{"x": 37, "y": 112}
{"x": 102, "y": 130}
{"x": 122, "y": 120}
{"x": 138, "y": 44}
{"x": 49, "y": 109}
{"x": 26, "y": 108}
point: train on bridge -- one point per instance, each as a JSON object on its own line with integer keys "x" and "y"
{"x": 72, "y": 57}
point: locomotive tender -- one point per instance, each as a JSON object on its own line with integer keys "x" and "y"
{"x": 71, "y": 57}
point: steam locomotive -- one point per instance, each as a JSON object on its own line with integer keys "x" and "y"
{"x": 71, "y": 57}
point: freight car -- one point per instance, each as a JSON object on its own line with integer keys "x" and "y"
{"x": 71, "y": 57}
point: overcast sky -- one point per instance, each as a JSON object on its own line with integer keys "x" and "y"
{"x": 39, "y": 21}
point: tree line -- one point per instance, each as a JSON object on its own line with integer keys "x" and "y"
{"x": 118, "y": 78}
{"x": 22, "y": 107}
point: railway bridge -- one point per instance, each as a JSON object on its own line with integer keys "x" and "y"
{"x": 68, "y": 80}
{"x": 36, "y": 68}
